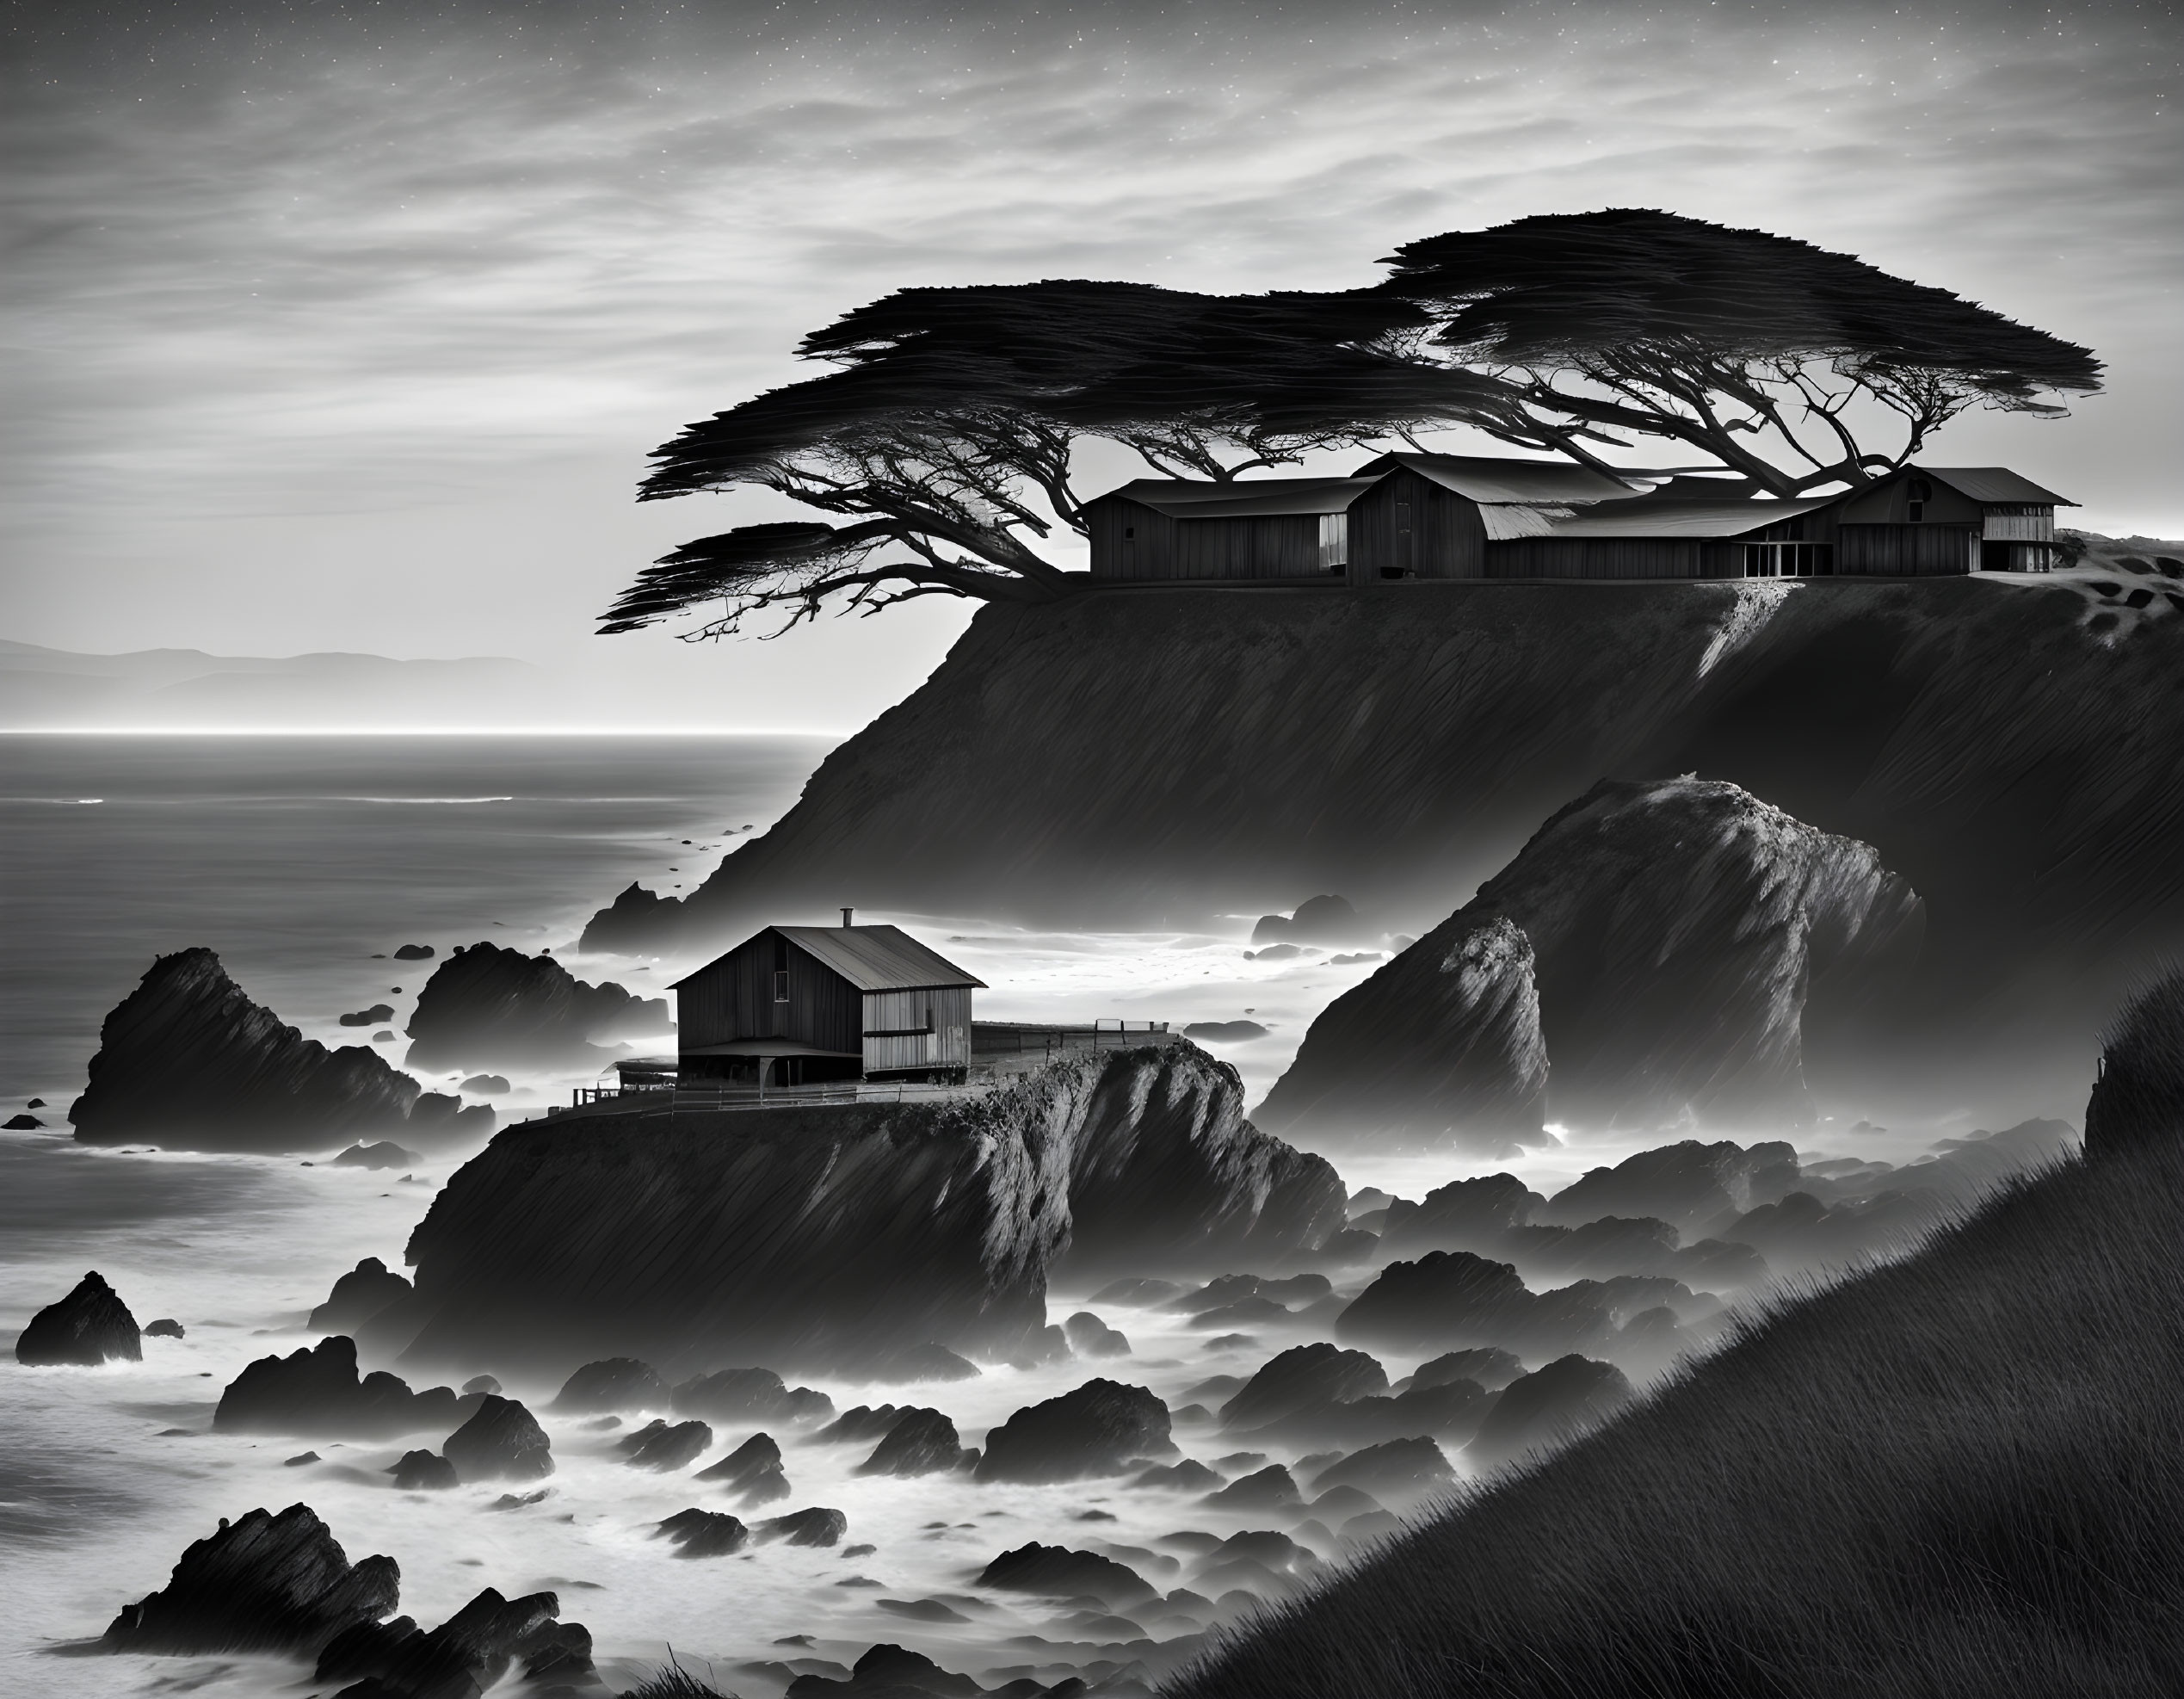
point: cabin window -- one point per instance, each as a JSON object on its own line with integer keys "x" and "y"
{"x": 780, "y": 985}
{"x": 1333, "y": 541}
{"x": 1920, "y": 493}
{"x": 1403, "y": 516}
{"x": 1129, "y": 533}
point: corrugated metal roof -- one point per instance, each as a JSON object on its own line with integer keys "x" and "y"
{"x": 1263, "y": 498}
{"x": 1506, "y": 520}
{"x": 872, "y": 958}
{"x": 1492, "y": 478}
{"x": 1685, "y": 519}
{"x": 1991, "y": 484}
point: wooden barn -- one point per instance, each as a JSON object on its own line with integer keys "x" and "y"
{"x": 801, "y": 1005}
{"x": 1948, "y": 519}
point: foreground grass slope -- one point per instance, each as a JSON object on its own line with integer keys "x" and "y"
{"x": 1962, "y": 1473}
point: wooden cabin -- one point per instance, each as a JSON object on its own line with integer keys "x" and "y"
{"x": 1923, "y": 520}
{"x": 801, "y": 1005}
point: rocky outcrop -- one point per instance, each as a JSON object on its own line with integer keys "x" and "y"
{"x": 1098, "y": 1428}
{"x": 702, "y": 1534}
{"x": 88, "y": 1326}
{"x": 612, "y": 1383}
{"x": 1301, "y": 1379}
{"x": 487, "y": 1007}
{"x": 358, "y": 1295}
{"x": 748, "y": 1395}
{"x": 2138, "y": 1094}
{"x": 1453, "y": 1298}
{"x": 1396, "y": 1469}
{"x": 1056, "y": 1572}
{"x": 503, "y": 1441}
{"x": 1645, "y": 961}
{"x": 263, "y": 1583}
{"x": 921, "y": 1443}
{"x": 664, "y": 1447}
{"x": 317, "y": 1390}
{"x": 1687, "y": 1185}
{"x": 187, "y": 1059}
{"x": 752, "y": 1471}
{"x": 422, "y": 1472}
{"x": 818, "y": 1526}
{"x": 827, "y": 1235}
{"x": 465, "y": 1655}
{"x": 384, "y": 1155}
{"x": 1549, "y": 1406}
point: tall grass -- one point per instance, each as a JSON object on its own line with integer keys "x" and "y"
{"x": 1960, "y": 1473}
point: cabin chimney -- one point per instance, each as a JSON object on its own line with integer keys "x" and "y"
{"x": 846, "y": 914}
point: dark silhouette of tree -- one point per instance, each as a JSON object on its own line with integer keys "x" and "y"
{"x": 1767, "y": 354}
{"x": 945, "y": 435}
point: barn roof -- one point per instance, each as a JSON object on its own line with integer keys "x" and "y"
{"x": 1252, "y": 498}
{"x": 1491, "y": 478}
{"x": 1656, "y": 518}
{"x": 1991, "y": 484}
{"x": 872, "y": 958}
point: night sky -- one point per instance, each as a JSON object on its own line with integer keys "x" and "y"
{"x": 349, "y": 326}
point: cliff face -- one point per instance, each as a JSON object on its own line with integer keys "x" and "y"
{"x": 187, "y": 1058}
{"x": 1654, "y": 945}
{"x": 834, "y": 1235}
{"x": 2014, "y": 747}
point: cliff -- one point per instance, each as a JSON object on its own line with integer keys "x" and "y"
{"x": 187, "y": 1059}
{"x": 1646, "y": 959}
{"x": 2013, "y": 747}
{"x": 489, "y": 1007}
{"x": 834, "y": 1235}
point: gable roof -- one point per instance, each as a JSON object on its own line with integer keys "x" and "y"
{"x": 1263, "y": 498}
{"x": 1658, "y": 518}
{"x": 872, "y": 958}
{"x": 1490, "y": 479}
{"x": 1990, "y": 484}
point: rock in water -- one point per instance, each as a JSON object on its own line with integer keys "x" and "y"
{"x": 318, "y": 1391}
{"x": 165, "y": 1328}
{"x": 465, "y": 1655}
{"x": 1302, "y": 1379}
{"x": 828, "y": 1235}
{"x": 88, "y": 1326}
{"x": 264, "y": 1583}
{"x": 384, "y": 1155}
{"x": 1089, "y": 1336}
{"x": 752, "y": 1471}
{"x": 358, "y": 1295}
{"x": 815, "y": 1526}
{"x": 749, "y": 1395}
{"x": 613, "y": 1383}
{"x": 422, "y": 1472}
{"x": 1550, "y": 1405}
{"x": 664, "y": 1447}
{"x": 1397, "y": 1468}
{"x": 187, "y": 1059}
{"x": 503, "y": 1441}
{"x": 1059, "y": 1572}
{"x": 703, "y": 1534}
{"x": 1453, "y": 1299}
{"x": 1097, "y": 1429}
{"x": 2138, "y": 1095}
{"x": 1656, "y": 942}
{"x": 921, "y": 1443}
{"x": 1687, "y": 1185}
{"x": 488, "y": 1007}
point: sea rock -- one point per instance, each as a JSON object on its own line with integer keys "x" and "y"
{"x": 1483, "y": 1366}
{"x": 415, "y": 953}
{"x": 890, "y": 1671}
{"x": 1687, "y": 1184}
{"x": 1397, "y": 1468}
{"x": 485, "y": 1085}
{"x": 488, "y": 1007}
{"x": 663, "y": 1448}
{"x": 1655, "y": 942}
{"x": 1472, "y": 1214}
{"x": 813, "y": 1527}
{"x": 1089, "y": 1336}
{"x": 1094, "y": 1429}
{"x": 1304, "y": 1378}
{"x": 914, "y": 1363}
{"x": 1549, "y": 1406}
{"x": 614, "y": 1383}
{"x": 358, "y": 1295}
{"x": 263, "y": 1583}
{"x": 369, "y": 1017}
{"x": 1317, "y": 920}
{"x": 828, "y": 1235}
{"x": 1272, "y": 1488}
{"x": 1188, "y": 1476}
{"x": 423, "y": 1471}
{"x": 464, "y": 1656}
{"x": 1451, "y": 1299}
{"x": 734, "y": 1395}
{"x": 88, "y": 1326}
{"x": 503, "y": 1441}
{"x": 317, "y": 1390}
{"x": 921, "y": 1442}
{"x": 187, "y": 1059}
{"x": 752, "y": 1471}
{"x": 703, "y": 1534}
{"x": 2138, "y": 1097}
{"x": 861, "y": 1422}
{"x": 1614, "y": 1245}
{"x": 165, "y": 1328}
{"x": 1058, "y": 1572}
{"x": 1224, "y": 1032}
{"x": 21, "y": 1124}
{"x": 384, "y": 1155}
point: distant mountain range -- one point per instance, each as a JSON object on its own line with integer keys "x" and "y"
{"x": 44, "y": 689}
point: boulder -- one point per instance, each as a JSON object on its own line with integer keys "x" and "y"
{"x": 369, "y": 1017}
{"x": 422, "y": 1472}
{"x": 1482, "y": 1365}
{"x": 1089, "y": 1336}
{"x": 735, "y": 1395}
{"x": 88, "y": 1326}
{"x": 1304, "y": 1378}
{"x": 1449, "y": 1298}
{"x": 187, "y": 1059}
{"x": 21, "y": 1124}
{"x": 1224, "y": 1032}
{"x": 469, "y": 1653}
{"x": 921, "y": 1443}
{"x": 1397, "y": 1468}
{"x": 813, "y": 1527}
{"x": 485, "y": 1085}
{"x": 861, "y": 1422}
{"x": 663, "y": 1448}
{"x": 752, "y": 1471}
{"x": 415, "y": 953}
{"x": 358, "y": 1295}
{"x": 384, "y": 1154}
{"x": 1188, "y": 1476}
{"x": 1657, "y": 942}
{"x": 890, "y": 1671}
{"x": 263, "y": 1583}
{"x": 1687, "y": 1184}
{"x": 1549, "y": 1406}
{"x": 165, "y": 1328}
{"x": 488, "y": 1007}
{"x": 613, "y": 1383}
{"x": 503, "y": 1441}
{"x": 1056, "y": 1572}
{"x": 2138, "y": 1099}
{"x": 1273, "y": 1488}
{"x": 703, "y": 1534}
{"x": 1094, "y": 1429}
{"x": 1317, "y": 920}
{"x": 317, "y": 1390}
{"x": 1464, "y": 1215}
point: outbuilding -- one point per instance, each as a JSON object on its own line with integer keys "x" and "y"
{"x": 803, "y": 1005}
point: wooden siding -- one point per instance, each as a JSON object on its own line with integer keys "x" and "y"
{"x": 1907, "y": 551}
{"x": 2019, "y": 524}
{"x": 1614, "y": 558}
{"x": 1889, "y": 503}
{"x": 1133, "y": 543}
{"x": 915, "y": 1030}
{"x": 733, "y": 999}
{"x": 1443, "y": 538}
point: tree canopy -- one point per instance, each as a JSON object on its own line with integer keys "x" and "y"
{"x": 944, "y": 435}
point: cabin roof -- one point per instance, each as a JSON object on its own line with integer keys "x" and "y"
{"x": 1263, "y": 498}
{"x": 872, "y": 958}
{"x": 1991, "y": 484}
{"x": 1490, "y": 479}
{"x": 1656, "y": 518}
